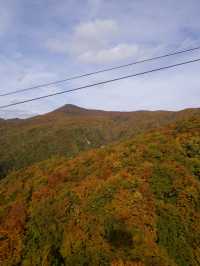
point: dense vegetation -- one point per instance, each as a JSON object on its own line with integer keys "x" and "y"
{"x": 69, "y": 130}
{"x": 132, "y": 203}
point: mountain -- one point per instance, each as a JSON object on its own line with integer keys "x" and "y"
{"x": 133, "y": 203}
{"x": 71, "y": 129}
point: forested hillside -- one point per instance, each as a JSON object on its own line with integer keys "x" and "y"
{"x": 132, "y": 203}
{"x": 71, "y": 129}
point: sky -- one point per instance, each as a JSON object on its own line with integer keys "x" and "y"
{"x": 43, "y": 41}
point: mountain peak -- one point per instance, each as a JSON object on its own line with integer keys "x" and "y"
{"x": 74, "y": 109}
{"x": 70, "y": 108}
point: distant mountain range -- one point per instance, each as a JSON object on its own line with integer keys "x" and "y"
{"x": 71, "y": 129}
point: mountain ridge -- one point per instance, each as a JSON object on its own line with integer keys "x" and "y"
{"x": 71, "y": 108}
{"x": 72, "y": 129}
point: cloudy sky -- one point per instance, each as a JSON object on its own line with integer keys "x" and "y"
{"x": 42, "y": 41}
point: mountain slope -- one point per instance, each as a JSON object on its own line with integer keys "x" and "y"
{"x": 72, "y": 129}
{"x": 134, "y": 203}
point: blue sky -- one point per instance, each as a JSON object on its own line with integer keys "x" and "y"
{"x": 42, "y": 41}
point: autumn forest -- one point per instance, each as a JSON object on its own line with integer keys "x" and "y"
{"x": 88, "y": 187}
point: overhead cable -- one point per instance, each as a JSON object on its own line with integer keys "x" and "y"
{"x": 98, "y": 72}
{"x": 101, "y": 83}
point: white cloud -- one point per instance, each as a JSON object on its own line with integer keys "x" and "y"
{"x": 96, "y": 42}
{"x": 93, "y": 35}
{"x": 114, "y": 54}
{"x": 90, "y": 41}
{"x": 87, "y": 36}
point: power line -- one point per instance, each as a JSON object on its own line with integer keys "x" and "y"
{"x": 101, "y": 83}
{"x": 99, "y": 71}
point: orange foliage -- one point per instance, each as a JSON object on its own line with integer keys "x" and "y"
{"x": 130, "y": 263}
